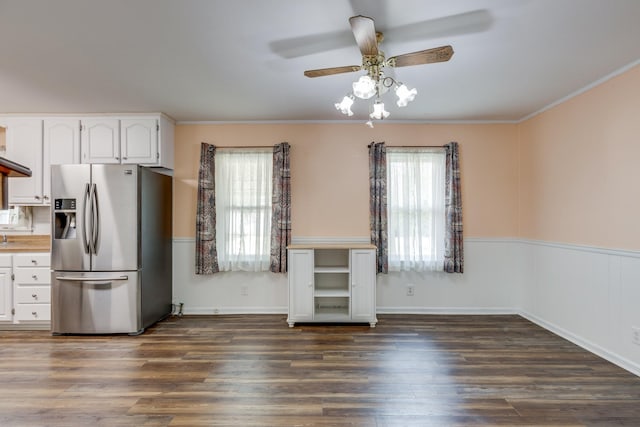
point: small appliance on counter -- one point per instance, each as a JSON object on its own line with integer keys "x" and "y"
{"x": 12, "y": 169}
{"x": 111, "y": 248}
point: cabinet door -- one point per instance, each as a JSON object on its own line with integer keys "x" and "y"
{"x": 363, "y": 285}
{"x": 100, "y": 140}
{"x": 24, "y": 146}
{"x": 300, "y": 285}
{"x": 139, "y": 143}
{"x": 61, "y": 146}
{"x": 6, "y": 295}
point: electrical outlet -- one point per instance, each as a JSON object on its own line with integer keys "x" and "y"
{"x": 244, "y": 291}
{"x": 635, "y": 337}
{"x": 410, "y": 290}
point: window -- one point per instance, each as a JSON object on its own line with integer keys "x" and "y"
{"x": 415, "y": 208}
{"x": 243, "y": 208}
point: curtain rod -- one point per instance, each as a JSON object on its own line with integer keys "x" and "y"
{"x": 415, "y": 146}
{"x": 244, "y": 146}
{"x": 410, "y": 146}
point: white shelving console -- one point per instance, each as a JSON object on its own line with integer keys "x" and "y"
{"x": 332, "y": 283}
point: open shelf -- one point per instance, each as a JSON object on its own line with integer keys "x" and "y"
{"x": 331, "y": 260}
{"x": 332, "y": 316}
{"x": 331, "y": 269}
{"x": 325, "y": 293}
{"x": 331, "y": 307}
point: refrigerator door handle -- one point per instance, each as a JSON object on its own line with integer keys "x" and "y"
{"x": 91, "y": 279}
{"x": 85, "y": 239}
{"x": 95, "y": 219}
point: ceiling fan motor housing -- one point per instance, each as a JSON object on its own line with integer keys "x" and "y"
{"x": 373, "y": 64}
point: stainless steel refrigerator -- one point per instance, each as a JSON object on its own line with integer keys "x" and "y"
{"x": 111, "y": 248}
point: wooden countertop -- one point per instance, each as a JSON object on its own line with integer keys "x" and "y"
{"x": 332, "y": 246}
{"x": 30, "y": 243}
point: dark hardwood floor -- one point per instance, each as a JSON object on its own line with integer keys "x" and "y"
{"x": 256, "y": 371}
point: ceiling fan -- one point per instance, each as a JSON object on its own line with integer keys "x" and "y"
{"x": 373, "y": 59}
{"x": 373, "y": 62}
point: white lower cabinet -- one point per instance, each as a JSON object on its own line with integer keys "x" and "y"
{"x": 32, "y": 288}
{"x": 6, "y": 289}
{"x": 332, "y": 283}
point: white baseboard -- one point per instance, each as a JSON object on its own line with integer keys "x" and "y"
{"x": 233, "y": 310}
{"x": 446, "y": 310}
{"x": 585, "y": 344}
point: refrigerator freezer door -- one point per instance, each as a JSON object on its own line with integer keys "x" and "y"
{"x": 69, "y": 184}
{"x": 116, "y": 213}
{"x": 95, "y": 303}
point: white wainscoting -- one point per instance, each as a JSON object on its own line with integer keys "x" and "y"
{"x": 224, "y": 293}
{"x": 491, "y": 284}
{"x": 590, "y": 296}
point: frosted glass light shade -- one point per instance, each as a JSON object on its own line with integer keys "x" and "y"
{"x": 364, "y": 88}
{"x": 405, "y": 95}
{"x": 344, "y": 106}
{"x": 379, "y": 112}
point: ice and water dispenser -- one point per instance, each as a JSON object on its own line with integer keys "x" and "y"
{"x": 64, "y": 214}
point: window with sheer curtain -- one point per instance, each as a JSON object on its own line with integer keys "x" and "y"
{"x": 243, "y": 180}
{"x": 416, "y": 208}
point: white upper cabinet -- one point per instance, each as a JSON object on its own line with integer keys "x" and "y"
{"x": 100, "y": 140}
{"x": 24, "y": 146}
{"x": 38, "y": 144}
{"x": 61, "y": 146}
{"x": 139, "y": 141}
{"x": 136, "y": 140}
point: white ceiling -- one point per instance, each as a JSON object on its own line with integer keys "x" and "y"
{"x": 243, "y": 60}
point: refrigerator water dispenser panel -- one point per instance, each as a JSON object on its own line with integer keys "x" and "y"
{"x": 65, "y": 219}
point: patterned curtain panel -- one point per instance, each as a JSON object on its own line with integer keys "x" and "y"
{"x": 453, "y": 251}
{"x": 280, "y": 208}
{"x": 206, "y": 254}
{"x": 378, "y": 203}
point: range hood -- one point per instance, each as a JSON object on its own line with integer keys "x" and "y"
{"x": 9, "y": 169}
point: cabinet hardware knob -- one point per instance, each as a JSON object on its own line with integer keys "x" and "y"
{"x": 34, "y": 277}
{"x": 34, "y": 313}
{"x": 33, "y": 261}
{"x": 45, "y": 197}
{"x": 117, "y": 158}
{"x": 124, "y": 158}
{"x": 36, "y": 197}
{"x": 34, "y": 296}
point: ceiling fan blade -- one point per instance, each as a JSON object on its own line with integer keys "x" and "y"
{"x": 334, "y": 70}
{"x": 471, "y": 22}
{"x": 429, "y": 56}
{"x": 365, "y": 33}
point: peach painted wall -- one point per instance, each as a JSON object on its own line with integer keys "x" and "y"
{"x": 579, "y": 168}
{"x": 329, "y": 169}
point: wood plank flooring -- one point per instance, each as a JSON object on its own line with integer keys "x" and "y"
{"x": 254, "y": 370}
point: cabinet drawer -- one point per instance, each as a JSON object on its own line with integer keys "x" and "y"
{"x": 32, "y": 276}
{"x": 33, "y": 294}
{"x": 5, "y": 260}
{"x": 32, "y": 260}
{"x": 33, "y": 312}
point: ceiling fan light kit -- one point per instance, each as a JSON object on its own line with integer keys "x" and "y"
{"x": 373, "y": 62}
{"x": 364, "y": 88}
{"x": 344, "y": 106}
